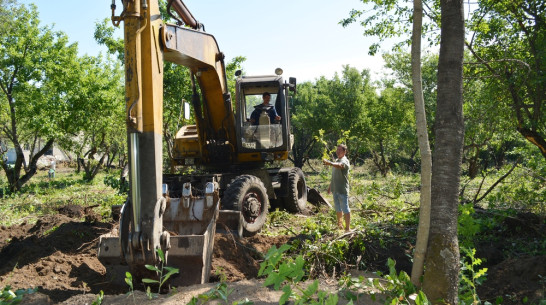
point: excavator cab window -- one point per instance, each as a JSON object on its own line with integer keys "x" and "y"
{"x": 260, "y": 130}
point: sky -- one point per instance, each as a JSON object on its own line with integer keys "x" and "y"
{"x": 303, "y": 37}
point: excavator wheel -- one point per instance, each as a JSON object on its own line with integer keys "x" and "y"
{"x": 297, "y": 191}
{"x": 247, "y": 193}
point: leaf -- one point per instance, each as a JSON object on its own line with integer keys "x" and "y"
{"x": 274, "y": 279}
{"x": 152, "y": 268}
{"x": 311, "y": 289}
{"x": 161, "y": 254}
{"x": 333, "y": 300}
{"x": 150, "y": 281}
{"x": 421, "y": 299}
{"x": 286, "y": 295}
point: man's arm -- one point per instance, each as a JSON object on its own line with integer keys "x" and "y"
{"x": 273, "y": 114}
{"x": 334, "y": 164}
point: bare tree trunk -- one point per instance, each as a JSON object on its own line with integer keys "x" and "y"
{"x": 424, "y": 147}
{"x": 442, "y": 259}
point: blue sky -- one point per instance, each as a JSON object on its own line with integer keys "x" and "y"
{"x": 302, "y": 37}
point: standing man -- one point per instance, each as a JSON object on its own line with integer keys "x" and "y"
{"x": 339, "y": 186}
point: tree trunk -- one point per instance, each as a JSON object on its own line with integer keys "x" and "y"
{"x": 424, "y": 147}
{"x": 302, "y": 147}
{"x": 442, "y": 258}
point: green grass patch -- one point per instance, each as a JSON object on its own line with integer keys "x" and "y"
{"x": 42, "y": 196}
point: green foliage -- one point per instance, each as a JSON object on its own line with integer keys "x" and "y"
{"x": 393, "y": 288}
{"x": 277, "y": 272}
{"x": 397, "y": 286}
{"x": 10, "y": 297}
{"x": 115, "y": 182}
{"x": 334, "y": 105}
{"x": 53, "y": 229}
{"x": 468, "y": 226}
{"x": 388, "y": 20}
{"x": 506, "y": 45}
{"x": 38, "y": 76}
{"x": 44, "y": 197}
{"x": 219, "y": 292}
{"x": 163, "y": 277}
{"x": 280, "y": 269}
{"x": 469, "y": 277}
{"x": 98, "y": 300}
{"x": 129, "y": 281}
{"x": 309, "y": 295}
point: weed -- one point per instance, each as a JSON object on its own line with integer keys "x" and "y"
{"x": 469, "y": 278}
{"x": 279, "y": 270}
{"x": 114, "y": 181}
{"x": 395, "y": 288}
{"x": 98, "y": 300}
{"x": 129, "y": 281}
{"x": 51, "y": 230}
{"x": 219, "y": 292}
{"x": 163, "y": 277}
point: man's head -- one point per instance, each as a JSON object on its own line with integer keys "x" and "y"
{"x": 266, "y": 97}
{"x": 341, "y": 150}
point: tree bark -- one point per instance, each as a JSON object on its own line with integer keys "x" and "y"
{"x": 424, "y": 146}
{"x": 442, "y": 258}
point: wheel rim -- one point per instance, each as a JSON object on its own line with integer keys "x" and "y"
{"x": 252, "y": 207}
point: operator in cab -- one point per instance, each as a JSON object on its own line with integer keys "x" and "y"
{"x": 270, "y": 109}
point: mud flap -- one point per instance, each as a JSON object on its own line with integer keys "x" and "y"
{"x": 230, "y": 222}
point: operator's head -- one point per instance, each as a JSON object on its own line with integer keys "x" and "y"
{"x": 266, "y": 97}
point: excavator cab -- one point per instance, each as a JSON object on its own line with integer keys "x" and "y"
{"x": 261, "y": 136}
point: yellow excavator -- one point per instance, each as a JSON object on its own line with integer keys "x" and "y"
{"x": 230, "y": 149}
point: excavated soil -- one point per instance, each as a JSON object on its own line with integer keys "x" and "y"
{"x": 58, "y": 254}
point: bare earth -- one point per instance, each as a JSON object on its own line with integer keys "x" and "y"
{"x": 58, "y": 254}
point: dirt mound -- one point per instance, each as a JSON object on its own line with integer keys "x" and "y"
{"x": 516, "y": 280}
{"x": 239, "y": 259}
{"x": 59, "y": 254}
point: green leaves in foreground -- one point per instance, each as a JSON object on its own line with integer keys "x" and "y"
{"x": 9, "y": 297}
{"x": 290, "y": 270}
{"x": 160, "y": 271}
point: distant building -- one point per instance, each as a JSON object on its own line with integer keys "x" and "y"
{"x": 54, "y": 153}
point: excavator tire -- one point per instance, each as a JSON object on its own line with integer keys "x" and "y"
{"x": 247, "y": 194}
{"x": 297, "y": 191}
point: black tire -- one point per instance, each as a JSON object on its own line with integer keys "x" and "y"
{"x": 247, "y": 193}
{"x": 297, "y": 191}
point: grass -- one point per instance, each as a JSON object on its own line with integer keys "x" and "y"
{"x": 383, "y": 207}
{"x": 42, "y": 196}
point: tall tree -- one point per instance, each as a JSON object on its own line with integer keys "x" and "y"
{"x": 509, "y": 41}
{"x": 335, "y": 106}
{"x": 442, "y": 258}
{"x": 36, "y": 75}
{"x": 97, "y": 128}
{"x": 424, "y": 147}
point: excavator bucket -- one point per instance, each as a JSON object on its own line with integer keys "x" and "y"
{"x": 314, "y": 197}
{"x": 191, "y": 223}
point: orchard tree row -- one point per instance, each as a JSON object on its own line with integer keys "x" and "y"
{"x": 49, "y": 94}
